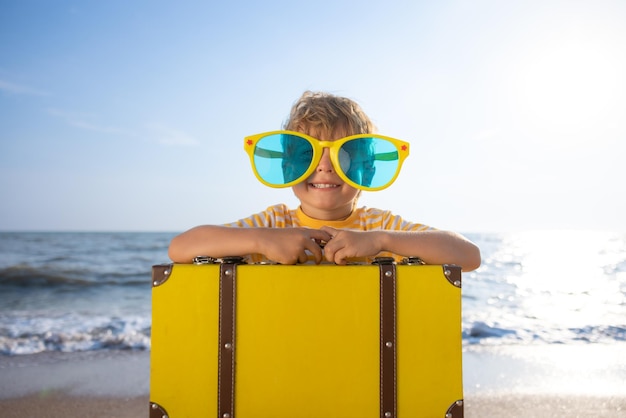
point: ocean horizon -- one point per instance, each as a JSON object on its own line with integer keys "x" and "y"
{"x": 91, "y": 291}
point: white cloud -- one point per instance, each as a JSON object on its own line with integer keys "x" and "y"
{"x": 169, "y": 136}
{"x": 81, "y": 120}
{"x": 157, "y": 133}
{"x": 14, "y": 88}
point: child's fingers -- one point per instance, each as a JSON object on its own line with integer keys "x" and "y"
{"x": 329, "y": 230}
{"x": 303, "y": 257}
{"x": 320, "y": 237}
{"x": 320, "y": 234}
{"x": 315, "y": 249}
{"x": 331, "y": 253}
{"x": 336, "y": 257}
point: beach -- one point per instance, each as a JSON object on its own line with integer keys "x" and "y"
{"x": 87, "y": 384}
{"x": 544, "y": 381}
{"x": 543, "y": 334}
{"x": 478, "y": 406}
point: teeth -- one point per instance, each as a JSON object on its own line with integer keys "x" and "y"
{"x": 323, "y": 186}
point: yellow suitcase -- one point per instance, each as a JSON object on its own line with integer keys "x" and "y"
{"x": 234, "y": 340}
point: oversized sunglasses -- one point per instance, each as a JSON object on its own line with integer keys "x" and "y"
{"x": 364, "y": 161}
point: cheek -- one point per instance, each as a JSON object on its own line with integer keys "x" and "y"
{"x": 352, "y": 192}
{"x": 299, "y": 188}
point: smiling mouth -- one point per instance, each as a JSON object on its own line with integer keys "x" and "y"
{"x": 323, "y": 185}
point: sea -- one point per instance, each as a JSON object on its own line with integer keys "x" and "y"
{"x": 82, "y": 291}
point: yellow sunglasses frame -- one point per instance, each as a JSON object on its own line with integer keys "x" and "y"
{"x": 250, "y": 143}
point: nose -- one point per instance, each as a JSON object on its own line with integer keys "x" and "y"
{"x": 325, "y": 164}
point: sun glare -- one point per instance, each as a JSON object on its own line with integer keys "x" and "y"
{"x": 563, "y": 278}
{"x": 571, "y": 83}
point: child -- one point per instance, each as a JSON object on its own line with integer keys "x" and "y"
{"x": 327, "y": 225}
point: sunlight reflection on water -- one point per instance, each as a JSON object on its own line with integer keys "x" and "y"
{"x": 553, "y": 286}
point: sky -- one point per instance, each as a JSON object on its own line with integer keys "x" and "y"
{"x": 130, "y": 115}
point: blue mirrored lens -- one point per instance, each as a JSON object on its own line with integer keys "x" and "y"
{"x": 369, "y": 162}
{"x": 282, "y": 158}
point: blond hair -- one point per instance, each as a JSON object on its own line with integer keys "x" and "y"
{"x": 318, "y": 113}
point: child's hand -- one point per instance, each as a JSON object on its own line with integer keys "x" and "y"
{"x": 345, "y": 244}
{"x": 289, "y": 245}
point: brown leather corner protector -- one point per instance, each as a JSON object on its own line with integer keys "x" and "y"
{"x": 455, "y": 410}
{"x": 157, "y": 411}
{"x": 453, "y": 274}
{"x": 160, "y": 273}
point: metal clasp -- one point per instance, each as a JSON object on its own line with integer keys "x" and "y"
{"x": 412, "y": 261}
{"x": 204, "y": 259}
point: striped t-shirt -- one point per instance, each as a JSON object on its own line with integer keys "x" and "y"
{"x": 361, "y": 219}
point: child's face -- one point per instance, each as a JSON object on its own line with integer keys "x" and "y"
{"x": 324, "y": 195}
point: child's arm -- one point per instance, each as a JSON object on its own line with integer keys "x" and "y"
{"x": 433, "y": 246}
{"x": 283, "y": 245}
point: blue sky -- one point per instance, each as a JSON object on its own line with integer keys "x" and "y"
{"x": 130, "y": 115}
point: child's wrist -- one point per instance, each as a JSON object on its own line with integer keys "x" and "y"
{"x": 258, "y": 240}
{"x": 381, "y": 239}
